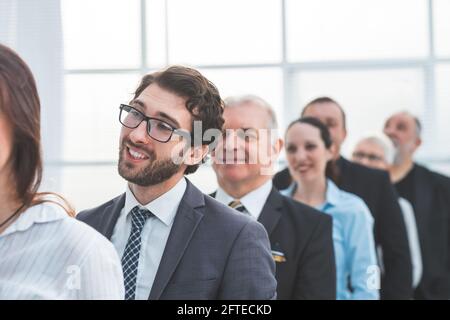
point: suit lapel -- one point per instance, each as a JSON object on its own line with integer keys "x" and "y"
{"x": 110, "y": 216}
{"x": 186, "y": 222}
{"x": 271, "y": 212}
{"x": 423, "y": 192}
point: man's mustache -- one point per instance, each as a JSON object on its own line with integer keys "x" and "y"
{"x": 128, "y": 143}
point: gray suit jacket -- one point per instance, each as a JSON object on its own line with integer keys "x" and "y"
{"x": 212, "y": 252}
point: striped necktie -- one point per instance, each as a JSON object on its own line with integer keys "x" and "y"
{"x": 237, "y": 205}
{"x": 130, "y": 259}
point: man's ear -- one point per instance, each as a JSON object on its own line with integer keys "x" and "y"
{"x": 345, "y": 134}
{"x": 277, "y": 146}
{"x": 418, "y": 142}
{"x": 196, "y": 154}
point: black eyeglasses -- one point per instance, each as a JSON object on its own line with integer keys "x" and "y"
{"x": 157, "y": 129}
{"x": 370, "y": 156}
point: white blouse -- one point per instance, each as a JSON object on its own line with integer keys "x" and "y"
{"x": 45, "y": 254}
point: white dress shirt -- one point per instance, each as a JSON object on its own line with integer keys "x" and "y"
{"x": 45, "y": 254}
{"x": 253, "y": 201}
{"x": 154, "y": 234}
{"x": 413, "y": 239}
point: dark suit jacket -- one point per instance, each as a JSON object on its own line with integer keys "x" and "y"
{"x": 212, "y": 252}
{"x": 432, "y": 212}
{"x": 375, "y": 188}
{"x": 304, "y": 236}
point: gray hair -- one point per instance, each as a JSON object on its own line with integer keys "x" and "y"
{"x": 249, "y": 98}
{"x": 385, "y": 143}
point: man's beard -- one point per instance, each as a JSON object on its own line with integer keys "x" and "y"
{"x": 155, "y": 172}
{"x": 398, "y": 157}
{"x": 402, "y": 152}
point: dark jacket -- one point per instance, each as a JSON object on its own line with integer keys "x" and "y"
{"x": 212, "y": 251}
{"x": 302, "y": 246}
{"x": 375, "y": 188}
{"x": 432, "y": 211}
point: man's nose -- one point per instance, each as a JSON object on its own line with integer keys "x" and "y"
{"x": 139, "y": 134}
{"x": 364, "y": 161}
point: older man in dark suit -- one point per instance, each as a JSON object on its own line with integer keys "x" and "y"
{"x": 375, "y": 188}
{"x": 300, "y": 236}
{"x": 174, "y": 241}
{"x": 429, "y": 194}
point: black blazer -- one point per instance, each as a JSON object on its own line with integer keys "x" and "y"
{"x": 212, "y": 251}
{"x": 432, "y": 212}
{"x": 375, "y": 188}
{"x": 303, "y": 237}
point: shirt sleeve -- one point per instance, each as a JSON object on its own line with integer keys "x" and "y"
{"x": 101, "y": 276}
{"x": 362, "y": 261}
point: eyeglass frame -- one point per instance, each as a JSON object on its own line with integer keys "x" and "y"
{"x": 369, "y": 156}
{"x": 148, "y": 127}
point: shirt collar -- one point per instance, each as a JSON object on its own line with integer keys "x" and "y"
{"x": 332, "y": 193}
{"x": 41, "y": 213}
{"x": 164, "y": 207}
{"x": 253, "y": 201}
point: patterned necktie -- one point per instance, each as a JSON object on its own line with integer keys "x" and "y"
{"x": 130, "y": 259}
{"x": 237, "y": 205}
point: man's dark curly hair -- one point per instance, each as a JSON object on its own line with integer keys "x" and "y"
{"x": 203, "y": 100}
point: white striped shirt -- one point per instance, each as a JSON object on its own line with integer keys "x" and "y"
{"x": 45, "y": 254}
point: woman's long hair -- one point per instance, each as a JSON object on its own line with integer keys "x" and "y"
{"x": 19, "y": 103}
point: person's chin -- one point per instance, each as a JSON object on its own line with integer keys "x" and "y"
{"x": 234, "y": 172}
{"x": 307, "y": 176}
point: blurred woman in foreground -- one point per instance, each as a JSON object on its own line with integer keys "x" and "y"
{"x": 44, "y": 252}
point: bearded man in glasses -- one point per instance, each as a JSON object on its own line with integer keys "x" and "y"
{"x": 174, "y": 241}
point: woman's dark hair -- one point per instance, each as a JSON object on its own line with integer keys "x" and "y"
{"x": 331, "y": 170}
{"x": 203, "y": 100}
{"x": 19, "y": 102}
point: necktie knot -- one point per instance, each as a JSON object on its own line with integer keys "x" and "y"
{"x": 139, "y": 216}
{"x": 237, "y": 205}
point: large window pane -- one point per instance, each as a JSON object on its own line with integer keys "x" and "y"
{"x": 91, "y": 126}
{"x": 89, "y": 186}
{"x": 156, "y": 33}
{"x": 442, "y": 142}
{"x": 264, "y": 82}
{"x": 232, "y": 31}
{"x": 442, "y": 27}
{"x": 101, "y": 33}
{"x": 368, "y": 97}
{"x": 355, "y": 29}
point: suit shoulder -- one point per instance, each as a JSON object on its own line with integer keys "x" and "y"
{"x": 85, "y": 214}
{"x": 232, "y": 220}
{"x": 439, "y": 177}
{"x": 369, "y": 172}
{"x": 220, "y": 211}
{"x": 303, "y": 213}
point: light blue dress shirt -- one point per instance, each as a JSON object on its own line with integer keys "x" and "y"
{"x": 354, "y": 245}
